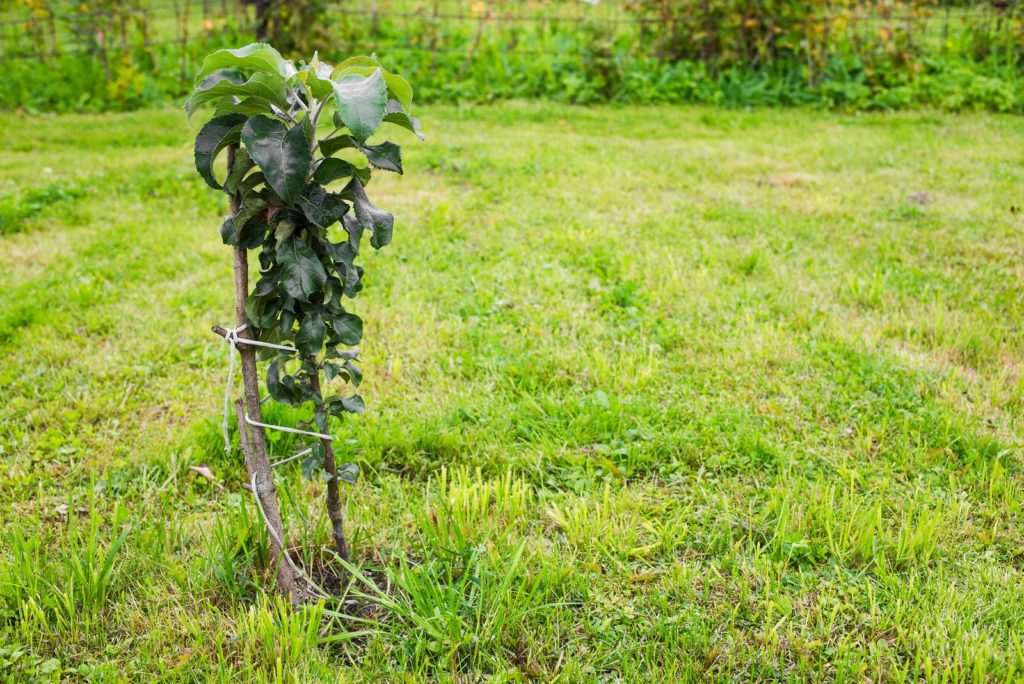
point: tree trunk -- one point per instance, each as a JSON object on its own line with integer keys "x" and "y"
{"x": 256, "y": 461}
{"x": 334, "y": 511}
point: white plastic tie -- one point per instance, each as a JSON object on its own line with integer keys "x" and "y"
{"x": 292, "y": 458}
{"x": 233, "y": 340}
{"x": 282, "y": 428}
{"x": 315, "y": 588}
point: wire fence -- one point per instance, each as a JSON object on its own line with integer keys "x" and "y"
{"x": 523, "y": 26}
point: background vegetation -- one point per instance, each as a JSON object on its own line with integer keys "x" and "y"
{"x": 838, "y": 53}
{"x": 658, "y": 394}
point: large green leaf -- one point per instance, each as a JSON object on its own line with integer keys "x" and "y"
{"x": 348, "y": 327}
{"x": 302, "y": 274}
{"x": 228, "y": 89}
{"x": 369, "y": 217}
{"x": 310, "y": 337}
{"x": 320, "y": 207}
{"x": 282, "y": 153}
{"x": 217, "y": 134}
{"x": 281, "y": 389}
{"x": 397, "y": 86}
{"x": 256, "y": 57}
{"x": 361, "y": 103}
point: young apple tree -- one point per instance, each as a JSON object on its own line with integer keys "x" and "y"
{"x": 298, "y": 197}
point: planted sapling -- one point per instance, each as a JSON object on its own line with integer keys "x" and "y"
{"x": 298, "y": 197}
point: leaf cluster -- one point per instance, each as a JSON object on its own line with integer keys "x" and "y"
{"x": 300, "y": 199}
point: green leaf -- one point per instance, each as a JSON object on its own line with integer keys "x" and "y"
{"x": 321, "y": 208}
{"x": 332, "y": 169}
{"x": 278, "y": 390}
{"x": 329, "y": 146}
{"x": 310, "y": 337}
{"x": 397, "y": 87}
{"x": 227, "y": 89}
{"x": 348, "y": 327}
{"x": 314, "y": 463}
{"x": 356, "y": 61}
{"x": 317, "y": 75}
{"x": 386, "y": 156}
{"x": 400, "y": 118}
{"x": 369, "y": 217}
{"x": 355, "y": 373}
{"x": 361, "y": 102}
{"x": 282, "y": 153}
{"x": 302, "y": 274}
{"x": 256, "y": 57}
{"x": 293, "y": 389}
{"x": 348, "y": 472}
{"x": 242, "y": 165}
{"x": 331, "y": 370}
{"x": 249, "y": 224}
{"x": 217, "y": 134}
{"x": 353, "y": 404}
{"x": 253, "y": 231}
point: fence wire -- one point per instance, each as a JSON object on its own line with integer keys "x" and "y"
{"x": 457, "y": 26}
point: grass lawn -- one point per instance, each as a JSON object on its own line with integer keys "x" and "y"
{"x": 653, "y": 394}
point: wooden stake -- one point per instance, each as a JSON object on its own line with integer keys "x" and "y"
{"x": 255, "y": 447}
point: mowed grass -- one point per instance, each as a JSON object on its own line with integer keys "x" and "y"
{"x": 653, "y": 395}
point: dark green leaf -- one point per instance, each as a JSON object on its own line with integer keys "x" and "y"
{"x": 287, "y": 321}
{"x": 321, "y": 208}
{"x": 310, "y": 337}
{"x": 387, "y": 156}
{"x": 253, "y": 232}
{"x": 253, "y": 308}
{"x": 361, "y": 102}
{"x": 369, "y": 217}
{"x": 217, "y": 134}
{"x": 242, "y": 165}
{"x": 249, "y": 225}
{"x": 302, "y": 274}
{"x": 332, "y": 169}
{"x": 265, "y": 285}
{"x": 282, "y": 390}
{"x": 331, "y": 370}
{"x": 329, "y": 146}
{"x": 282, "y": 154}
{"x": 348, "y": 327}
{"x": 227, "y": 232}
